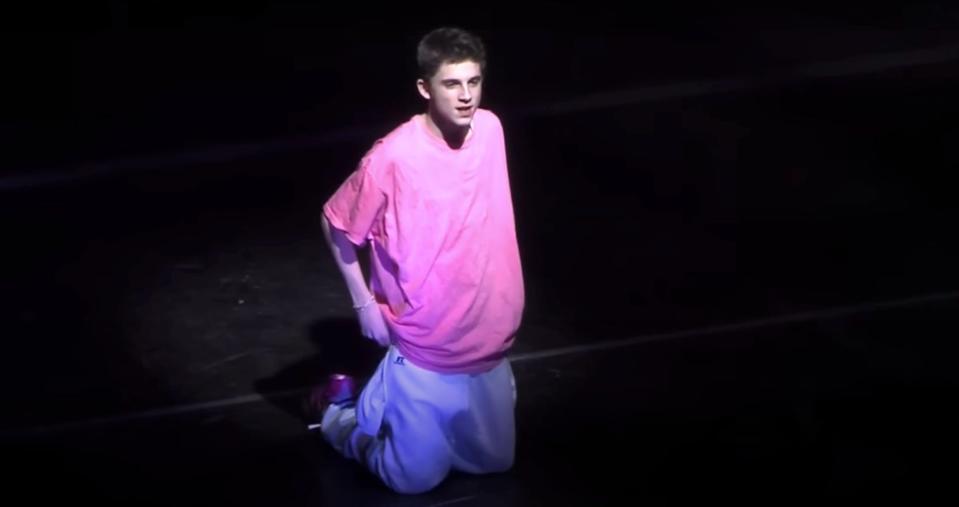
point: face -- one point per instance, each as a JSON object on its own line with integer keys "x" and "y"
{"x": 454, "y": 93}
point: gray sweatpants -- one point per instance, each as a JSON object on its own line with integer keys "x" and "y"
{"x": 411, "y": 426}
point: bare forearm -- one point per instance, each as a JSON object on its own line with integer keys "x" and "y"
{"x": 344, "y": 253}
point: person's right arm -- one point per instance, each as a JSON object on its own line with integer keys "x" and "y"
{"x": 372, "y": 324}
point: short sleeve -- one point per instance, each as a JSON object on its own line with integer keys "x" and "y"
{"x": 358, "y": 203}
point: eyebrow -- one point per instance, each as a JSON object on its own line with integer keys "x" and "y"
{"x": 454, "y": 81}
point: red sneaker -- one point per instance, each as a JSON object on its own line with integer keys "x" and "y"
{"x": 339, "y": 389}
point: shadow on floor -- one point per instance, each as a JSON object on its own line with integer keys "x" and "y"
{"x": 339, "y": 348}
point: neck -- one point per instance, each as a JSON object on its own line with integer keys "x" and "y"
{"x": 454, "y": 135}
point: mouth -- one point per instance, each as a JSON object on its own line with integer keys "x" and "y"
{"x": 464, "y": 110}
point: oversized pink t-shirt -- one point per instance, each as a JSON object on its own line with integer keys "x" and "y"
{"x": 445, "y": 263}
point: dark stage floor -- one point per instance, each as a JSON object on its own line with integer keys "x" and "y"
{"x": 739, "y": 295}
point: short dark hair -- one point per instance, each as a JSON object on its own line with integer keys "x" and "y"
{"x": 448, "y": 45}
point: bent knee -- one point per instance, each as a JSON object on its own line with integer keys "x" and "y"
{"x": 417, "y": 482}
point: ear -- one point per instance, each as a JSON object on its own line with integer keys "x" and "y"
{"x": 424, "y": 88}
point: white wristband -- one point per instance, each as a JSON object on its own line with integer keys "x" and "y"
{"x": 364, "y": 305}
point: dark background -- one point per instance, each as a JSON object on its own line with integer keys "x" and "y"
{"x": 160, "y": 185}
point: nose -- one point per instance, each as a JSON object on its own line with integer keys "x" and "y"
{"x": 465, "y": 95}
